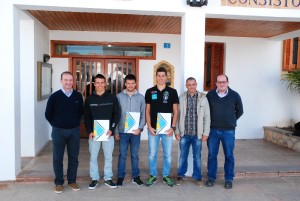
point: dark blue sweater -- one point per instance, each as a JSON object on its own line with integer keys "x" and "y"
{"x": 224, "y": 111}
{"x": 63, "y": 111}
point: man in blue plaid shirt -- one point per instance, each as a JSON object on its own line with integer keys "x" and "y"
{"x": 193, "y": 128}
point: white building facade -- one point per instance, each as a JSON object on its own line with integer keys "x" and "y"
{"x": 253, "y": 65}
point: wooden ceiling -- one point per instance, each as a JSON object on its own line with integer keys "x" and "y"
{"x": 105, "y": 22}
{"x": 248, "y": 28}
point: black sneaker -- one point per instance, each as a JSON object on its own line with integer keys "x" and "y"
{"x": 199, "y": 182}
{"x": 110, "y": 184}
{"x": 93, "y": 185}
{"x": 138, "y": 181}
{"x": 120, "y": 182}
{"x": 210, "y": 183}
{"x": 179, "y": 181}
{"x": 228, "y": 185}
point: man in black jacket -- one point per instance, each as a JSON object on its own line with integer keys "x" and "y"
{"x": 63, "y": 112}
{"x": 101, "y": 105}
{"x": 225, "y": 109}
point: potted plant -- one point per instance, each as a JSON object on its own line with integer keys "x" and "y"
{"x": 292, "y": 80}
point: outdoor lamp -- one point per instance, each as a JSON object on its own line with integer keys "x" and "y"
{"x": 46, "y": 58}
{"x": 197, "y": 3}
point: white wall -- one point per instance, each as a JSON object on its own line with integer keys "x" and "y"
{"x": 10, "y": 92}
{"x": 34, "y": 43}
{"x": 27, "y": 67}
{"x": 254, "y": 68}
{"x": 41, "y": 46}
{"x": 171, "y": 55}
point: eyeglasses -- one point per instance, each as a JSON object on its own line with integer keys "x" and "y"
{"x": 221, "y": 82}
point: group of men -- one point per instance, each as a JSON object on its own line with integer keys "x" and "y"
{"x": 196, "y": 117}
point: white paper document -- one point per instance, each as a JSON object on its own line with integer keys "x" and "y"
{"x": 163, "y": 122}
{"x": 132, "y": 120}
{"x": 100, "y": 129}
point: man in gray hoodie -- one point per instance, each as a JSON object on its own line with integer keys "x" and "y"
{"x": 130, "y": 100}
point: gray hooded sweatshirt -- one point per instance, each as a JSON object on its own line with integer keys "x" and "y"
{"x": 134, "y": 103}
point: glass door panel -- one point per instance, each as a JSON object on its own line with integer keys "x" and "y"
{"x": 84, "y": 70}
{"x": 117, "y": 69}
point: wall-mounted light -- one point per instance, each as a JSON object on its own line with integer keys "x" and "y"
{"x": 197, "y": 3}
{"x": 46, "y": 58}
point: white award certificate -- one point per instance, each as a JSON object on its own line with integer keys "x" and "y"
{"x": 100, "y": 129}
{"x": 132, "y": 120}
{"x": 163, "y": 122}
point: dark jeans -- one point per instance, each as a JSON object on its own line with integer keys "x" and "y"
{"x": 127, "y": 139}
{"x": 227, "y": 138}
{"x": 185, "y": 143}
{"x": 60, "y": 139}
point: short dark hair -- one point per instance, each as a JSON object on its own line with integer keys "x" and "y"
{"x": 190, "y": 79}
{"x": 100, "y": 76}
{"x": 130, "y": 77}
{"x": 161, "y": 69}
{"x": 65, "y": 73}
{"x": 222, "y": 75}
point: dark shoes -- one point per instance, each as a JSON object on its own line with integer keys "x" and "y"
{"x": 228, "y": 185}
{"x": 138, "y": 181}
{"x": 120, "y": 182}
{"x": 210, "y": 183}
{"x": 179, "y": 181}
{"x": 110, "y": 184}
{"x": 199, "y": 182}
{"x": 93, "y": 185}
{"x": 135, "y": 180}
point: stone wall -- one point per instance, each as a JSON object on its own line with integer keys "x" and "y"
{"x": 282, "y": 138}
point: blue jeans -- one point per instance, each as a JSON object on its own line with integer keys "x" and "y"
{"x": 127, "y": 139}
{"x": 185, "y": 142}
{"x": 60, "y": 139}
{"x": 227, "y": 137}
{"x": 108, "y": 148}
{"x": 153, "y": 142}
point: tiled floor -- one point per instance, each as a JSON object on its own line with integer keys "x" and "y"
{"x": 254, "y": 158}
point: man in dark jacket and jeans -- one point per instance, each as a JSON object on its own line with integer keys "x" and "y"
{"x": 225, "y": 109}
{"x": 101, "y": 105}
{"x": 63, "y": 112}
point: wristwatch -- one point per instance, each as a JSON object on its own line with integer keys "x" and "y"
{"x": 174, "y": 127}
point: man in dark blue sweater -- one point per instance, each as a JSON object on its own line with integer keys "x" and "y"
{"x": 63, "y": 112}
{"x": 225, "y": 109}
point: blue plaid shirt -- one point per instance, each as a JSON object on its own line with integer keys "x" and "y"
{"x": 191, "y": 116}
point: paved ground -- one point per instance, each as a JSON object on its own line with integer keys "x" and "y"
{"x": 264, "y": 171}
{"x": 252, "y": 189}
{"x": 253, "y": 158}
